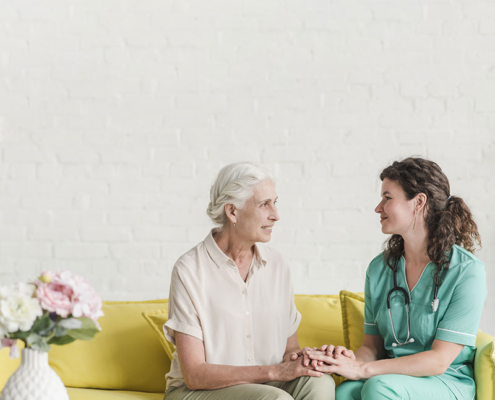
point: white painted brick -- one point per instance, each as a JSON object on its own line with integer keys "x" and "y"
{"x": 26, "y": 250}
{"x": 47, "y": 202}
{"x": 22, "y": 171}
{"x": 133, "y": 218}
{"x": 116, "y": 201}
{"x": 138, "y": 251}
{"x": 81, "y": 250}
{"x": 51, "y": 234}
{"x": 106, "y": 234}
{"x": 160, "y": 234}
{"x": 12, "y": 234}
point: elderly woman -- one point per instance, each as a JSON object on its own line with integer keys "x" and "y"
{"x": 232, "y": 315}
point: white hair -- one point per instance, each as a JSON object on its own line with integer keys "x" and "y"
{"x": 235, "y": 184}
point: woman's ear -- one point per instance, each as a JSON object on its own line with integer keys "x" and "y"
{"x": 231, "y": 212}
{"x": 420, "y": 203}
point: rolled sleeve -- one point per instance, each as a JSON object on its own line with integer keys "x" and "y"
{"x": 461, "y": 320}
{"x": 370, "y": 326}
{"x": 183, "y": 316}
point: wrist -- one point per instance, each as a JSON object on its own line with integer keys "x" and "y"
{"x": 365, "y": 370}
{"x": 272, "y": 373}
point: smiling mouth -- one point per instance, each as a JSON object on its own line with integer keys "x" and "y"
{"x": 383, "y": 219}
{"x": 267, "y": 227}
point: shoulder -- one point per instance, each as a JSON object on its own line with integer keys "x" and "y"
{"x": 190, "y": 260}
{"x": 465, "y": 262}
{"x": 378, "y": 263}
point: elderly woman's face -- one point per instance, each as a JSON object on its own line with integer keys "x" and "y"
{"x": 255, "y": 222}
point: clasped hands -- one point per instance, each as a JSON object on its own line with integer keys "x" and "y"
{"x": 331, "y": 359}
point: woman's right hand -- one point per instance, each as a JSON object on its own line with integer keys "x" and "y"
{"x": 290, "y": 370}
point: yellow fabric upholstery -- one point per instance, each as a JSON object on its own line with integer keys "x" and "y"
{"x": 156, "y": 319}
{"x": 94, "y": 394}
{"x": 484, "y": 366}
{"x": 125, "y": 355}
{"x": 321, "y": 322}
{"x": 8, "y": 365}
{"x": 352, "y": 318}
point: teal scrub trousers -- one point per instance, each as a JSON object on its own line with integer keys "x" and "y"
{"x": 396, "y": 387}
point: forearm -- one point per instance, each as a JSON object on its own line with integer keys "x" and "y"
{"x": 212, "y": 376}
{"x": 366, "y": 354}
{"x": 426, "y": 363}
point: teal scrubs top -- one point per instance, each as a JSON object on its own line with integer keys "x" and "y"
{"x": 457, "y": 319}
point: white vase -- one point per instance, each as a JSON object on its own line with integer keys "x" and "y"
{"x": 34, "y": 380}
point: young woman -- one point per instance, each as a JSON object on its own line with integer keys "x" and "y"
{"x": 423, "y": 296}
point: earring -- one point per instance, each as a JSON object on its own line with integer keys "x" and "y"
{"x": 414, "y": 220}
{"x": 234, "y": 224}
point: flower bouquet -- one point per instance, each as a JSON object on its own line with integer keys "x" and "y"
{"x": 55, "y": 309}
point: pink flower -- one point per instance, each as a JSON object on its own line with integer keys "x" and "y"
{"x": 12, "y": 343}
{"x": 86, "y": 303}
{"x": 66, "y": 294}
{"x": 55, "y": 296}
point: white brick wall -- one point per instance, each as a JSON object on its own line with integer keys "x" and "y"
{"x": 116, "y": 115}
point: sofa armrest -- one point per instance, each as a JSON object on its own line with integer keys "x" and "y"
{"x": 484, "y": 366}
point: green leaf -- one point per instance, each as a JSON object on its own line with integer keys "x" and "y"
{"x": 83, "y": 334}
{"x": 59, "y": 341}
{"x": 60, "y": 331}
{"x": 71, "y": 323}
{"x": 42, "y": 323}
{"x": 37, "y": 342}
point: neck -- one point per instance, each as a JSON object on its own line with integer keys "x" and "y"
{"x": 415, "y": 246}
{"x": 233, "y": 247}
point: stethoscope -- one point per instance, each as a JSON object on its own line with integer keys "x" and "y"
{"x": 434, "y": 307}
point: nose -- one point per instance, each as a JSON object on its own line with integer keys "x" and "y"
{"x": 274, "y": 214}
{"x": 379, "y": 207}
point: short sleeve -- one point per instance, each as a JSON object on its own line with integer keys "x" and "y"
{"x": 182, "y": 314}
{"x": 461, "y": 320}
{"x": 370, "y": 327}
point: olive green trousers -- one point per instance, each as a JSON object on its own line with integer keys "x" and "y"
{"x": 303, "y": 388}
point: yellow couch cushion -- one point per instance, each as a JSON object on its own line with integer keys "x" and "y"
{"x": 156, "y": 319}
{"x": 321, "y": 322}
{"x": 484, "y": 366}
{"x": 125, "y": 355}
{"x": 7, "y": 364}
{"x": 352, "y": 318}
{"x": 95, "y": 394}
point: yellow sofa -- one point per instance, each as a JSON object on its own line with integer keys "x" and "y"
{"x": 130, "y": 357}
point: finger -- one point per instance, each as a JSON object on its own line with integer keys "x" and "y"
{"x": 324, "y": 358}
{"x": 314, "y": 363}
{"x": 350, "y": 354}
{"x": 294, "y": 356}
{"x": 330, "y": 350}
{"x": 311, "y": 372}
{"x": 327, "y": 369}
{"x": 306, "y": 360}
{"x": 338, "y": 351}
{"x": 320, "y": 362}
{"x": 324, "y": 347}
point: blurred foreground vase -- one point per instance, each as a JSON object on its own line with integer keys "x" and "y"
{"x": 34, "y": 380}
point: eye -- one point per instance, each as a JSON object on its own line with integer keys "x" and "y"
{"x": 388, "y": 198}
{"x": 264, "y": 204}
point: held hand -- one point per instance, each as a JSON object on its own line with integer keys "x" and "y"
{"x": 344, "y": 366}
{"x": 304, "y": 354}
{"x": 337, "y": 351}
{"x": 290, "y": 370}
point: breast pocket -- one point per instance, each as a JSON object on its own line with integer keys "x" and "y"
{"x": 424, "y": 324}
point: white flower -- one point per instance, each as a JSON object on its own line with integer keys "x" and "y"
{"x": 3, "y": 332}
{"x": 18, "y": 311}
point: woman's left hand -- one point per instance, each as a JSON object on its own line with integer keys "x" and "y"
{"x": 347, "y": 367}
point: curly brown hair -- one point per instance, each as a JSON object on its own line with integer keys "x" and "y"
{"x": 448, "y": 219}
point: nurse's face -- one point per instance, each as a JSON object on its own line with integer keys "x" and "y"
{"x": 396, "y": 211}
{"x": 256, "y": 220}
